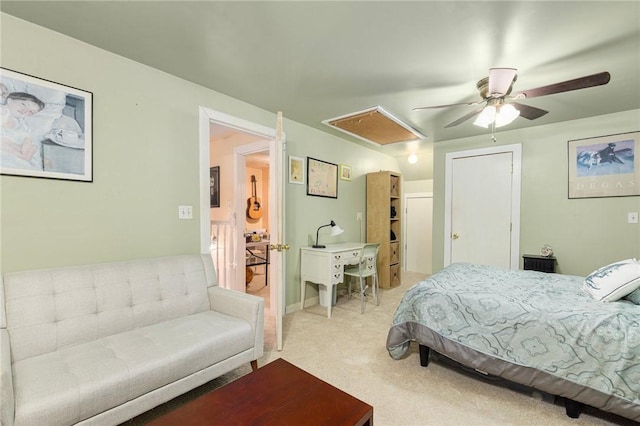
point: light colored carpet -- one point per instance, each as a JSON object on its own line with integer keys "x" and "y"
{"x": 348, "y": 351}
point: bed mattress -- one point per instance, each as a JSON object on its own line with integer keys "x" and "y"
{"x": 540, "y": 330}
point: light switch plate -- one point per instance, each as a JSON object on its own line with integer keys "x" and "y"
{"x": 632, "y": 217}
{"x": 185, "y": 212}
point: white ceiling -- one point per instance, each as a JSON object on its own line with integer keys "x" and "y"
{"x": 318, "y": 60}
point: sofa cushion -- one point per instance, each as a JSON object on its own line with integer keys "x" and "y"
{"x": 48, "y": 310}
{"x": 77, "y": 382}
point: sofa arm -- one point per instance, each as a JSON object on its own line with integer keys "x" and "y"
{"x": 241, "y": 305}
{"x": 7, "y": 400}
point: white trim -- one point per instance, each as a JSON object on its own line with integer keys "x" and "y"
{"x": 418, "y": 195}
{"x": 516, "y": 151}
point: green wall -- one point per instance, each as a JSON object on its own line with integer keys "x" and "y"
{"x": 304, "y": 214}
{"x": 146, "y": 156}
{"x": 584, "y": 233}
{"x": 146, "y": 164}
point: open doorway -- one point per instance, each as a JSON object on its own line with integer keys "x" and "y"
{"x": 241, "y": 154}
{"x": 227, "y": 230}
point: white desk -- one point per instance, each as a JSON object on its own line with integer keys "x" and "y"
{"x": 325, "y": 266}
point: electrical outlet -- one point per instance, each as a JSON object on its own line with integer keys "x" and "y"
{"x": 632, "y": 217}
{"x": 185, "y": 212}
{"x": 359, "y": 216}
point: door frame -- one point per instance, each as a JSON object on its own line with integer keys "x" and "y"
{"x": 273, "y": 138}
{"x": 516, "y": 179}
{"x": 206, "y": 118}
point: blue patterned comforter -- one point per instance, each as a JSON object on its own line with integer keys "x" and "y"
{"x": 527, "y": 318}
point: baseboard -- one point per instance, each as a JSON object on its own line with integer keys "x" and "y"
{"x": 296, "y": 306}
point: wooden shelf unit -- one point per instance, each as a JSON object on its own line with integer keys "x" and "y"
{"x": 383, "y": 196}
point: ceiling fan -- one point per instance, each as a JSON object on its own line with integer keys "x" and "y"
{"x": 497, "y": 105}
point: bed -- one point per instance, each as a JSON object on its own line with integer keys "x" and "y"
{"x": 532, "y": 328}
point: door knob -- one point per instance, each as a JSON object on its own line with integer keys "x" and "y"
{"x": 455, "y": 236}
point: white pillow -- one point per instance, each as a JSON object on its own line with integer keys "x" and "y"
{"x": 614, "y": 281}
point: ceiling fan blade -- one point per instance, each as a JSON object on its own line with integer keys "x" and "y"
{"x": 529, "y": 112}
{"x": 464, "y": 118}
{"x": 500, "y": 80}
{"x": 569, "y": 85}
{"x": 450, "y": 105}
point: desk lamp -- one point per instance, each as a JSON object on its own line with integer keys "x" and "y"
{"x": 335, "y": 230}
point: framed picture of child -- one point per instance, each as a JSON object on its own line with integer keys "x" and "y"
{"x": 46, "y": 128}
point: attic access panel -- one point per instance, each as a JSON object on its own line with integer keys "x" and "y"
{"x": 375, "y": 125}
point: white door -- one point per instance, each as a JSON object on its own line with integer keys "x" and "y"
{"x": 418, "y": 223}
{"x": 273, "y": 141}
{"x": 483, "y": 208}
{"x": 276, "y": 223}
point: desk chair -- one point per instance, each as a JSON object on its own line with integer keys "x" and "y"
{"x": 365, "y": 268}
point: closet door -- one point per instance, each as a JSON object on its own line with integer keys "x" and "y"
{"x": 481, "y": 210}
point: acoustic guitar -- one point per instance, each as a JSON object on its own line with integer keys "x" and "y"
{"x": 254, "y": 208}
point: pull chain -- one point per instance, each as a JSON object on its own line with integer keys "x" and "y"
{"x": 493, "y": 128}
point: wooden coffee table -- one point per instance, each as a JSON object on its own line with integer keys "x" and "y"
{"x": 277, "y": 394}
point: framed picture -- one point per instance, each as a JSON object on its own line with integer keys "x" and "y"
{"x": 296, "y": 170}
{"x": 46, "y": 128}
{"x": 214, "y": 186}
{"x": 322, "y": 178}
{"x": 345, "y": 172}
{"x": 604, "y": 166}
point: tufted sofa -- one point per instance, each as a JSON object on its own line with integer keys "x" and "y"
{"x": 102, "y": 343}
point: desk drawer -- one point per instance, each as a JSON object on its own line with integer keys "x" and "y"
{"x": 347, "y": 257}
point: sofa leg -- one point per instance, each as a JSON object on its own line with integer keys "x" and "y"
{"x": 254, "y": 365}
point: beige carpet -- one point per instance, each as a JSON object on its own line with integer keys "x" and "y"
{"x": 348, "y": 351}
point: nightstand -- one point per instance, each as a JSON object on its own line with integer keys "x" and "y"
{"x": 539, "y": 263}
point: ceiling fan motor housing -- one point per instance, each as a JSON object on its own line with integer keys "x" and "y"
{"x": 483, "y": 87}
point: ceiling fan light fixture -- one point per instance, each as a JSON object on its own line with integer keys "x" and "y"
{"x": 501, "y": 115}
{"x": 486, "y": 117}
{"x": 506, "y": 114}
